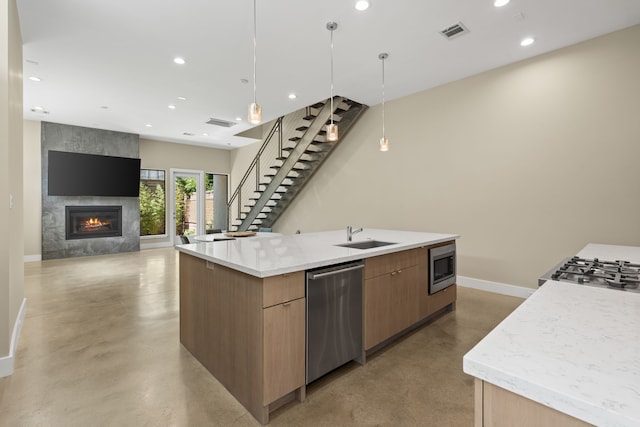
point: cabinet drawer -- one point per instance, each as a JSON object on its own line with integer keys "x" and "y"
{"x": 442, "y": 299}
{"x": 282, "y": 288}
{"x": 383, "y": 264}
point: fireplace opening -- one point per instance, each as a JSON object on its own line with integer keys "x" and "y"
{"x": 88, "y": 222}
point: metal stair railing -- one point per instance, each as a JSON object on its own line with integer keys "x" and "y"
{"x": 266, "y": 157}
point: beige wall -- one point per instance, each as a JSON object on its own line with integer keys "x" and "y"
{"x": 32, "y": 189}
{"x": 528, "y": 163}
{"x": 11, "y": 264}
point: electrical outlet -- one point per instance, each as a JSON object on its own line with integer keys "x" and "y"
{"x": 10, "y": 201}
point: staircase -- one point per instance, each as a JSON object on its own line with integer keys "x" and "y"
{"x": 292, "y": 151}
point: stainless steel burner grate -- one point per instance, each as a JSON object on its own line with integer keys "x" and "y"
{"x": 612, "y": 274}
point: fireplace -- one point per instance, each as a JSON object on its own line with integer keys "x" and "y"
{"x": 89, "y": 222}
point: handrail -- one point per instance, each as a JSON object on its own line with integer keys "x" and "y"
{"x": 255, "y": 164}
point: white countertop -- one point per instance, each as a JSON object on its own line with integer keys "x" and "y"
{"x": 570, "y": 347}
{"x": 266, "y": 256}
{"x": 611, "y": 252}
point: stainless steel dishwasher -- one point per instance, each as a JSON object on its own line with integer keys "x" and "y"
{"x": 334, "y": 317}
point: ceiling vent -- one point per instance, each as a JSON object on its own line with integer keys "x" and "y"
{"x": 219, "y": 122}
{"x": 454, "y": 31}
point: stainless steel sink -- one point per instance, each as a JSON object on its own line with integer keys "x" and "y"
{"x": 365, "y": 244}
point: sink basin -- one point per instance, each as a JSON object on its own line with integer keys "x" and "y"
{"x": 366, "y": 244}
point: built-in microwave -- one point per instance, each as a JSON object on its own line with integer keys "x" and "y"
{"x": 442, "y": 267}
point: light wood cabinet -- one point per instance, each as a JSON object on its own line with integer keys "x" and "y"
{"x": 284, "y": 352}
{"x": 390, "y": 296}
{"x": 247, "y": 331}
{"x": 497, "y": 407}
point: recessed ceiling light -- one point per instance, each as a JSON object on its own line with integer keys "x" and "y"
{"x": 528, "y": 41}
{"x": 292, "y": 96}
{"x": 500, "y": 3}
{"x": 362, "y": 5}
{"x": 171, "y": 107}
{"x": 188, "y": 134}
{"x": 178, "y": 60}
{"x": 182, "y": 98}
{"x": 205, "y": 134}
{"x": 238, "y": 119}
{"x": 34, "y": 79}
{"x": 38, "y": 109}
{"x": 149, "y": 125}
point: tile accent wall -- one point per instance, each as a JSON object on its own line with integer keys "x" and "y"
{"x": 78, "y": 139}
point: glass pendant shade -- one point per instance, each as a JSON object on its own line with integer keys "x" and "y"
{"x": 332, "y": 132}
{"x": 384, "y": 144}
{"x": 255, "y": 114}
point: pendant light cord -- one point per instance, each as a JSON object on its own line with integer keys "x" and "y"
{"x": 331, "y": 76}
{"x": 254, "y": 51}
{"x": 383, "y": 133}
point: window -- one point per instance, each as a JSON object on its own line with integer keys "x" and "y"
{"x": 152, "y": 202}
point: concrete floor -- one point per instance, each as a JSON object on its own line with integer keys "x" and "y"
{"x": 100, "y": 346}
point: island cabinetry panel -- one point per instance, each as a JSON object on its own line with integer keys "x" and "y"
{"x": 497, "y": 407}
{"x": 390, "y": 296}
{"x": 192, "y": 305}
{"x": 247, "y": 331}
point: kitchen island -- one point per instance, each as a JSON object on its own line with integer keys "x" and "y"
{"x": 568, "y": 356}
{"x": 242, "y": 304}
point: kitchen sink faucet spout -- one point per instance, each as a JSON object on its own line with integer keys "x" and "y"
{"x": 351, "y": 232}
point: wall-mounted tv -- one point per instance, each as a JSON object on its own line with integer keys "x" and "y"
{"x": 78, "y": 174}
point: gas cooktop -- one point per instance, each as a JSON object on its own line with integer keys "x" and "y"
{"x": 620, "y": 275}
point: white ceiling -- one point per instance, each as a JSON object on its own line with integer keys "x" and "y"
{"x": 109, "y": 64}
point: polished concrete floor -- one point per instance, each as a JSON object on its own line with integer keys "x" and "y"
{"x": 100, "y": 347}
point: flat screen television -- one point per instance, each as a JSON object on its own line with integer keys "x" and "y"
{"x": 78, "y": 174}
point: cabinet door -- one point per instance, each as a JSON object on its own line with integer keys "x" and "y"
{"x": 284, "y": 349}
{"x": 404, "y": 300}
{"x": 377, "y": 310}
{"x": 390, "y": 305}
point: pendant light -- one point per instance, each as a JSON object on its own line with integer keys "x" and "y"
{"x": 332, "y": 128}
{"x": 384, "y": 142}
{"x": 255, "y": 110}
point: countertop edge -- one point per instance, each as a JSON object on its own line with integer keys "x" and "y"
{"x": 569, "y": 405}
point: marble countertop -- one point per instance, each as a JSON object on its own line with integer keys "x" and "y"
{"x": 570, "y": 347}
{"x": 611, "y": 252}
{"x": 266, "y": 256}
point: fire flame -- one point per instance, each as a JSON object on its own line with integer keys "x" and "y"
{"x": 95, "y": 222}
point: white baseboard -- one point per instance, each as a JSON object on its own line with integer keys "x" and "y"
{"x": 7, "y": 363}
{"x": 155, "y": 245}
{"x": 33, "y": 258}
{"x": 495, "y": 287}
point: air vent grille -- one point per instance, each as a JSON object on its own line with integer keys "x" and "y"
{"x": 454, "y": 31}
{"x": 220, "y": 122}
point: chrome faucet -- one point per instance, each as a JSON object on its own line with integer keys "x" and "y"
{"x": 351, "y": 232}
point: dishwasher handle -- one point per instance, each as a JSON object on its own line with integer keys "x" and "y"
{"x": 313, "y": 276}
